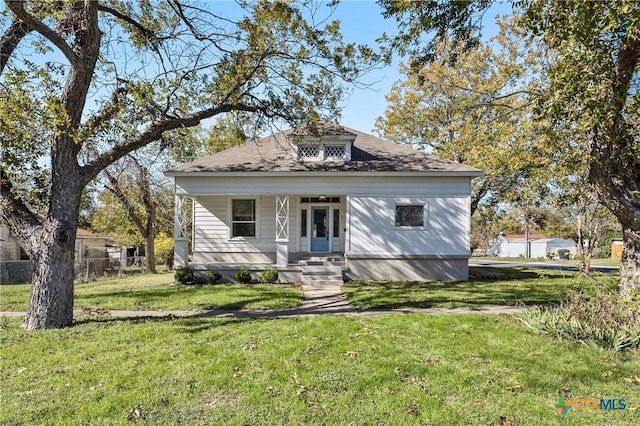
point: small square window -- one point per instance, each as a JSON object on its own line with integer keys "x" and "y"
{"x": 410, "y": 215}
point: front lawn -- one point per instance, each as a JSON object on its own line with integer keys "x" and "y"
{"x": 392, "y": 369}
{"x": 154, "y": 292}
{"x": 486, "y": 287}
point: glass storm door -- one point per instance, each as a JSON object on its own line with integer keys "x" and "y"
{"x": 319, "y": 229}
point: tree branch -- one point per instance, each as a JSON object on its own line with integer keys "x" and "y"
{"x": 109, "y": 111}
{"x": 10, "y": 40}
{"x": 148, "y": 34}
{"x": 154, "y": 133}
{"x": 116, "y": 190}
{"x": 17, "y": 7}
{"x": 147, "y": 198}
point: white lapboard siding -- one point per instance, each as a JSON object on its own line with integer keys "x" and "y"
{"x": 372, "y": 229}
{"x": 212, "y": 230}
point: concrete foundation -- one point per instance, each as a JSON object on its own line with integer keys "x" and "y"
{"x": 408, "y": 269}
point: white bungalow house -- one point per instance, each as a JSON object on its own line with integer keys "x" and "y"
{"x": 390, "y": 211}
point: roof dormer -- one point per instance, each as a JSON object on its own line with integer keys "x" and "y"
{"x": 332, "y": 144}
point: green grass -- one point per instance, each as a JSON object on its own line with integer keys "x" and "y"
{"x": 486, "y": 287}
{"x": 154, "y": 292}
{"x": 393, "y": 369}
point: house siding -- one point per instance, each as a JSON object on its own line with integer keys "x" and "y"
{"x": 212, "y": 230}
{"x": 372, "y": 227}
{"x": 9, "y": 248}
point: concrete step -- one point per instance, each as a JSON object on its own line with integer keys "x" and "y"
{"x": 322, "y": 271}
{"x": 322, "y": 278}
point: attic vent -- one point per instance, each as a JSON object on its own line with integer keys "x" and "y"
{"x": 334, "y": 152}
{"x": 308, "y": 151}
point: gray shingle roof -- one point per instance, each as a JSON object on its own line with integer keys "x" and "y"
{"x": 368, "y": 154}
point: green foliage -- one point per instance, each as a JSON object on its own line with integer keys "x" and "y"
{"x": 269, "y": 276}
{"x": 163, "y": 245}
{"x": 603, "y": 319}
{"x": 476, "y": 112}
{"x": 111, "y": 218}
{"x": 214, "y": 276}
{"x": 243, "y": 275}
{"x": 184, "y": 275}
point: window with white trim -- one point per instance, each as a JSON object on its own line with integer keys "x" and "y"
{"x": 243, "y": 218}
{"x": 410, "y": 215}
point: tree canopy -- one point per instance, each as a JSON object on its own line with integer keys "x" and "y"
{"x": 478, "y": 111}
{"x": 85, "y": 82}
{"x": 593, "y": 81}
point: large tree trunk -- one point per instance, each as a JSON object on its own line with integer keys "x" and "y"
{"x": 52, "y": 254}
{"x": 630, "y": 266}
{"x": 51, "y": 303}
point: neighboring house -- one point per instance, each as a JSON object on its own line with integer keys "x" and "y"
{"x": 539, "y": 246}
{"x": 391, "y": 211}
{"x": 88, "y": 245}
{"x": 91, "y": 246}
{"x": 16, "y": 266}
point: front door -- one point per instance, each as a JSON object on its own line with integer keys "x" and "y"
{"x": 319, "y": 229}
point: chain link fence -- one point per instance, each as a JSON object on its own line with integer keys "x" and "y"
{"x": 89, "y": 269}
{"x": 93, "y": 268}
{"x": 15, "y": 271}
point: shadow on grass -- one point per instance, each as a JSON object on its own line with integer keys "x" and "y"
{"x": 196, "y": 297}
{"x": 486, "y": 287}
{"x": 482, "y": 273}
{"x": 192, "y": 324}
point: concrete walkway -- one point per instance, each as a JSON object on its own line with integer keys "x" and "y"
{"x": 319, "y": 299}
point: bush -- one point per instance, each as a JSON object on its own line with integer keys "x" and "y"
{"x": 184, "y": 275}
{"x": 214, "y": 276}
{"x": 603, "y": 320}
{"x": 243, "y": 275}
{"x": 269, "y": 276}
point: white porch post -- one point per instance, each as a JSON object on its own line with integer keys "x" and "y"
{"x": 180, "y": 245}
{"x": 282, "y": 230}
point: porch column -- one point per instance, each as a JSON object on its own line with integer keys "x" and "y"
{"x": 282, "y": 230}
{"x": 180, "y": 244}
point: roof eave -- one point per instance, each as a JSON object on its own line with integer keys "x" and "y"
{"x": 431, "y": 173}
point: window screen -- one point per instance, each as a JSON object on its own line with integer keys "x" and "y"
{"x": 243, "y": 218}
{"x": 410, "y": 215}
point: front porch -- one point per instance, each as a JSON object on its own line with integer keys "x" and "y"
{"x": 259, "y": 230}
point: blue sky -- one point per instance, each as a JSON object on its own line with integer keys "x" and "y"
{"x": 362, "y": 22}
